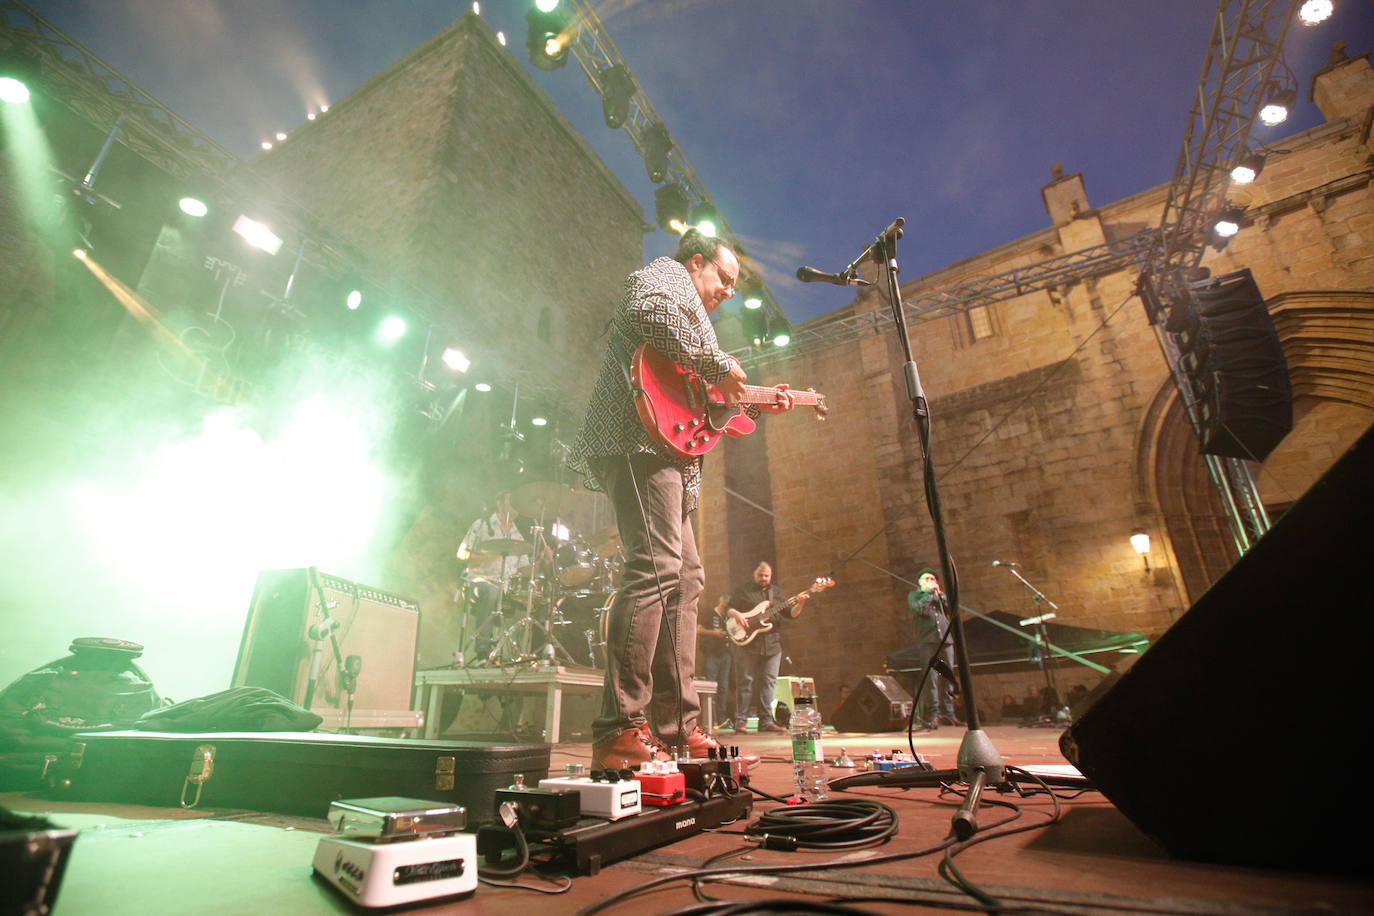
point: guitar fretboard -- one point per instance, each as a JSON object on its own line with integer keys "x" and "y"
{"x": 756, "y": 394}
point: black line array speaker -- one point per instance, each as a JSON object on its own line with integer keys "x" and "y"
{"x": 1237, "y": 368}
{"x": 376, "y": 634}
{"x": 1235, "y": 738}
{"x": 877, "y": 704}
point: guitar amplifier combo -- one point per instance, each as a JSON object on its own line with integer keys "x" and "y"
{"x": 288, "y": 642}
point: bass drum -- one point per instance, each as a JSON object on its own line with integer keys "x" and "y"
{"x": 582, "y": 620}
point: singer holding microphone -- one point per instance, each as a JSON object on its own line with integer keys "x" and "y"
{"x": 930, "y": 614}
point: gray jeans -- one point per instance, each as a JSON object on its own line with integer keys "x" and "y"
{"x": 649, "y": 666}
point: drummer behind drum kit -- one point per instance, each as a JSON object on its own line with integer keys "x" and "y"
{"x": 564, "y": 595}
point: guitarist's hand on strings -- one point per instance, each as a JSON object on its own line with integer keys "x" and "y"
{"x": 785, "y": 401}
{"x": 732, "y": 386}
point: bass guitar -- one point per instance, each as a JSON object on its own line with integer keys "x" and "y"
{"x": 688, "y": 414}
{"x": 743, "y": 626}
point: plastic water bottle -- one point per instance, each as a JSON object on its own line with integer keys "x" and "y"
{"x": 808, "y": 756}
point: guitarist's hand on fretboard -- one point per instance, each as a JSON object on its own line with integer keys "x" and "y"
{"x": 785, "y": 401}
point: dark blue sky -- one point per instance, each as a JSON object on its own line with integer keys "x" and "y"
{"x": 812, "y": 123}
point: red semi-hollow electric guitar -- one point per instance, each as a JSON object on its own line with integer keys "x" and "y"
{"x": 688, "y": 414}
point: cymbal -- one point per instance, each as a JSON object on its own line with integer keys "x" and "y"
{"x": 606, "y": 542}
{"x": 502, "y": 547}
{"x": 542, "y": 497}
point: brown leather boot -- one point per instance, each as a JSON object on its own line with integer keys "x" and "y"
{"x": 628, "y": 749}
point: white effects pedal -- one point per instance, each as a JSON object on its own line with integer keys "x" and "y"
{"x": 392, "y": 851}
{"x": 609, "y": 796}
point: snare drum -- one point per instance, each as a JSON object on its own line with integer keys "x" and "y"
{"x": 576, "y": 563}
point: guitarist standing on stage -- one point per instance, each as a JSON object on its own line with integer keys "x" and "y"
{"x": 648, "y": 702}
{"x": 760, "y": 659}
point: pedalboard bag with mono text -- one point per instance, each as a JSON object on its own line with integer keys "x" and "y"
{"x": 288, "y": 772}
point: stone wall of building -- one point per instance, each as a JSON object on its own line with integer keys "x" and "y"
{"x": 1056, "y": 436}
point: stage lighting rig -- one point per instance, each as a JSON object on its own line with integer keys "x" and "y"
{"x": 617, "y": 86}
{"x": 545, "y": 40}
{"x": 1248, "y": 167}
{"x": 657, "y": 145}
{"x": 671, "y": 208}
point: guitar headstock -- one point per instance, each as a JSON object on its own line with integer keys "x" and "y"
{"x": 822, "y": 408}
{"x": 821, "y": 584}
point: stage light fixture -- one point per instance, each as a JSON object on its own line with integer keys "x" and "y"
{"x": 1228, "y": 220}
{"x": 671, "y": 206}
{"x": 782, "y": 338}
{"x": 751, "y": 292}
{"x": 1280, "y": 103}
{"x": 393, "y": 328}
{"x": 657, "y": 145}
{"x": 539, "y": 421}
{"x": 544, "y": 38}
{"x": 1313, "y": 12}
{"x": 617, "y": 87}
{"x": 193, "y": 206}
{"x": 354, "y": 299}
{"x": 705, "y": 218}
{"x": 13, "y": 91}
{"x": 18, "y": 72}
{"x": 1248, "y": 168}
{"x": 257, "y": 235}
{"x": 456, "y": 359}
{"x": 482, "y": 387}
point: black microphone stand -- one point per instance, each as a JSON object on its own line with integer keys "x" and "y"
{"x": 1038, "y": 620}
{"x": 979, "y": 764}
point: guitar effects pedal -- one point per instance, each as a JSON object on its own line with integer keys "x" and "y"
{"x": 391, "y": 851}
{"x": 611, "y": 794}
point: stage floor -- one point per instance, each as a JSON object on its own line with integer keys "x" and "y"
{"x": 148, "y": 861}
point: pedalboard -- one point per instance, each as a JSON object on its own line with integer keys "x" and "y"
{"x": 594, "y": 842}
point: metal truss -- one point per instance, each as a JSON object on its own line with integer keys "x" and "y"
{"x": 1242, "y": 50}
{"x": 596, "y": 53}
{"x": 1244, "y": 46}
{"x": 100, "y": 95}
{"x": 1051, "y": 273}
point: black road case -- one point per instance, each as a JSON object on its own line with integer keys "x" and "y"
{"x": 288, "y": 772}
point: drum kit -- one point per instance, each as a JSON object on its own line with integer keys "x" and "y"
{"x": 557, "y": 605}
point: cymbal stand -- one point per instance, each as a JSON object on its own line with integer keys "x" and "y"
{"x": 553, "y": 652}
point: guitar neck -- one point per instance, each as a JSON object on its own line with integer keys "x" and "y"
{"x": 756, "y": 394}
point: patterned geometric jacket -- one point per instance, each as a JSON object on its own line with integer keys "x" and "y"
{"x": 661, "y": 307}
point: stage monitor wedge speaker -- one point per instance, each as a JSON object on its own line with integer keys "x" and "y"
{"x": 877, "y": 704}
{"x": 286, "y": 639}
{"x": 1235, "y": 738}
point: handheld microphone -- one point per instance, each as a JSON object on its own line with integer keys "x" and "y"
{"x": 1006, "y": 563}
{"x": 812, "y": 275}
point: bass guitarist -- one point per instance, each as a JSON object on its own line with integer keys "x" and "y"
{"x": 758, "y": 661}
{"x": 648, "y": 703}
